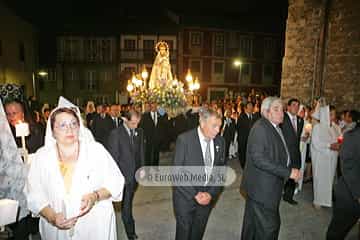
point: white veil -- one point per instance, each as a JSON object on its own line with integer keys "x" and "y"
{"x": 84, "y": 134}
{"x": 13, "y": 171}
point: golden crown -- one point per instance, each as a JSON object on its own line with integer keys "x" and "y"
{"x": 161, "y": 44}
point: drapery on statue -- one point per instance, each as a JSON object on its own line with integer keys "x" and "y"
{"x": 161, "y": 71}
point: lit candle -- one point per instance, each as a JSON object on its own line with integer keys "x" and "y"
{"x": 308, "y": 128}
{"x": 22, "y": 129}
{"x": 340, "y": 139}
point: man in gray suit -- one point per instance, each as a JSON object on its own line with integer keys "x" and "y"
{"x": 267, "y": 168}
{"x": 202, "y": 147}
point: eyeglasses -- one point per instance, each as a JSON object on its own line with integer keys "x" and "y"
{"x": 67, "y": 125}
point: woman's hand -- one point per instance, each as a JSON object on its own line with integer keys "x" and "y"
{"x": 60, "y": 222}
{"x": 87, "y": 203}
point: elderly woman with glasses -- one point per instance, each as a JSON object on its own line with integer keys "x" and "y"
{"x": 72, "y": 182}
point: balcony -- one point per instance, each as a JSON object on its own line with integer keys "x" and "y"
{"x": 142, "y": 55}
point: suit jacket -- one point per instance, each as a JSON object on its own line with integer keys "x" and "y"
{"x": 243, "y": 126}
{"x": 350, "y": 157}
{"x": 101, "y": 128}
{"x": 292, "y": 139}
{"x": 188, "y": 153}
{"x": 229, "y": 130}
{"x": 265, "y": 170}
{"x": 128, "y": 157}
{"x": 150, "y": 129}
{"x": 192, "y": 119}
{"x": 35, "y": 140}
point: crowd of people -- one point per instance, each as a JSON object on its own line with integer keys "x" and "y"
{"x": 280, "y": 147}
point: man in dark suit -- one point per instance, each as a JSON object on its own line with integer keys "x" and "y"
{"x": 228, "y": 130}
{"x": 266, "y": 169}
{"x": 155, "y": 133}
{"x": 244, "y": 124}
{"x": 292, "y": 128}
{"x": 346, "y": 210}
{"x": 101, "y": 126}
{"x": 151, "y": 122}
{"x": 203, "y": 147}
{"x": 115, "y": 115}
{"x": 126, "y": 146}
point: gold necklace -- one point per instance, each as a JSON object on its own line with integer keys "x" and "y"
{"x": 65, "y": 167}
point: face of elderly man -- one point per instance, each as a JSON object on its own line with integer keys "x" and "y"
{"x": 210, "y": 127}
{"x": 276, "y": 113}
{"x": 14, "y": 113}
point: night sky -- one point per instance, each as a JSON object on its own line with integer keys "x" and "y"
{"x": 55, "y": 13}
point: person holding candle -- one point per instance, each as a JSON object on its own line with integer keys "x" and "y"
{"x": 16, "y": 113}
{"x": 324, "y": 154}
{"x": 73, "y": 180}
{"x": 33, "y": 134}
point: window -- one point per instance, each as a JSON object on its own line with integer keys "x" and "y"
{"x": 218, "y": 71}
{"x": 91, "y": 50}
{"x": 129, "y": 44}
{"x": 195, "y": 66}
{"x": 71, "y": 75}
{"x": 195, "y": 38}
{"x": 170, "y": 44}
{"x": 245, "y": 46}
{"x": 233, "y": 40}
{"x": 219, "y": 68}
{"x": 268, "y": 74}
{"x": 245, "y": 73}
{"x": 149, "y": 44}
{"x": 270, "y": 47}
{"x": 22, "y": 52}
{"x": 91, "y": 80}
{"x": 72, "y": 49}
{"x": 219, "y": 44}
{"x": 105, "y": 50}
{"x": 106, "y": 76}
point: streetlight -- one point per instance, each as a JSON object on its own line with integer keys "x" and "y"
{"x": 238, "y": 63}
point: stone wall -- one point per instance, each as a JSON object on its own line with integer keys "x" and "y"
{"x": 322, "y": 51}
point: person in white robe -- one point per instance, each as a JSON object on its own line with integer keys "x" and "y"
{"x": 324, "y": 154}
{"x": 73, "y": 198}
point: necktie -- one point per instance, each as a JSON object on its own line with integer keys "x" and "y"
{"x": 294, "y": 124}
{"x": 115, "y": 121}
{"x": 207, "y": 159}
{"x": 132, "y": 134}
{"x": 278, "y": 129}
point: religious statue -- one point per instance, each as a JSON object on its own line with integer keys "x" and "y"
{"x": 161, "y": 71}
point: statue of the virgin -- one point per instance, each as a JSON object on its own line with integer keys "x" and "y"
{"x": 161, "y": 71}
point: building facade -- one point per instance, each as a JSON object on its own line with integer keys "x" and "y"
{"x": 18, "y": 51}
{"x": 211, "y": 54}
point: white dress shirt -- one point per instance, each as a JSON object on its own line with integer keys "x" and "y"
{"x": 203, "y": 144}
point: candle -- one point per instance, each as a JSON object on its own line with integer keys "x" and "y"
{"x": 340, "y": 139}
{"x": 308, "y": 128}
{"x": 22, "y": 129}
